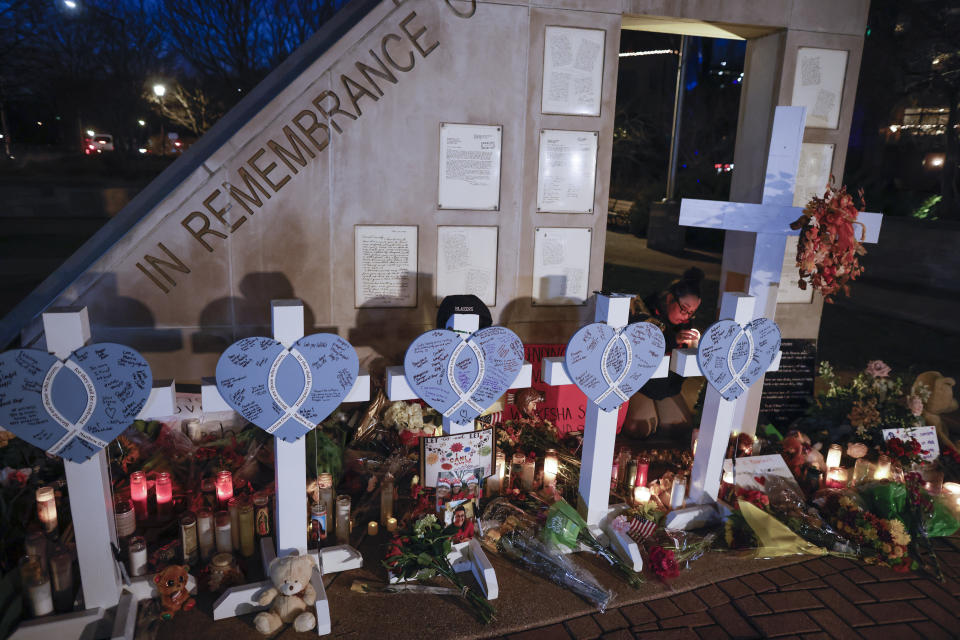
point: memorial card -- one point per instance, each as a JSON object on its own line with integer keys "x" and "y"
{"x": 572, "y": 71}
{"x": 926, "y": 436}
{"x": 460, "y": 458}
{"x": 568, "y": 170}
{"x": 467, "y": 262}
{"x": 385, "y": 266}
{"x": 561, "y": 266}
{"x": 749, "y": 472}
{"x": 469, "y": 166}
{"x": 818, "y": 85}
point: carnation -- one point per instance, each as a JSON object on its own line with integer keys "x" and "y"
{"x": 878, "y": 369}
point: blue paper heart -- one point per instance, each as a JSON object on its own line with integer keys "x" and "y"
{"x": 432, "y": 372}
{"x": 312, "y": 377}
{"x": 632, "y": 356}
{"x": 73, "y": 408}
{"x": 733, "y": 357}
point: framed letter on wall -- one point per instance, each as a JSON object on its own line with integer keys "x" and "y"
{"x": 568, "y": 170}
{"x": 469, "y": 166}
{"x": 572, "y": 71}
{"x": 818, "y": 85}
{"x": 561, "y": 266}
{"x": 385, "y": 266}
{"x": 467, "y": 262}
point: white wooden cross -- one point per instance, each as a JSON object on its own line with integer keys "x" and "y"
{"x": 465, "y": 556}
{"x": 290, "y": 483}
{"x": 91, "y": 505}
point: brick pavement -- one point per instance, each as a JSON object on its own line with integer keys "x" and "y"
{"x": 830, "y": 598}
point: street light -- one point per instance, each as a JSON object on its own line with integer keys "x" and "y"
{"x": 160, "y": 90}
{"x": 70, "y": 4}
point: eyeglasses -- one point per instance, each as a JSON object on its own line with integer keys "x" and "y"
{"x": 687, "y": 313}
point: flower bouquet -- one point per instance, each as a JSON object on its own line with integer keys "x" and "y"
{"x": 421, "y": 554}
{"x": 828, "y": 249}
{"x": 670, "y": 550}
{"x": 513, "y": 533}
{"x": 411, "y": 420}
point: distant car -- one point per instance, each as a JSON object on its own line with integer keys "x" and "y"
{"x": 98, "y": 144}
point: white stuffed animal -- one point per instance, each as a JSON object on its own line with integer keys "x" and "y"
{"x": 291, "y": 598}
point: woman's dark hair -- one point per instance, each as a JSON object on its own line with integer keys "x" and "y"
{"x": 688, "y": 284}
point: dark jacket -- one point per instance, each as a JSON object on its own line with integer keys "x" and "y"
{"x": 653, "y": 310}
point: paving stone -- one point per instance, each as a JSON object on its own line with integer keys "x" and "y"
{"x": 952, "y": 586}
{"x": 886, "y": 591}
{"x": 758, "y": 583}
{"x": 784, "y": 624}
{"x": 795, "y": 601}
{"x": 938, "y": 594}
{"x": 820, "y": 567}
{"x": 611, "y": 620}
{"x": 670, "y": 634}
{"x": 816, "y": 583}
{"x": 699, "y": 619}
{"x": 619, "y": 634}
{"x": 638, "y": 614}
{"x": 653, "y": 626}
{"x": 843, "y": 607}
{"x": 664, "y": 608}
{"x": 820, "y": 635}
{"x": 858, "y": 576}
{"x": 832, "y": 624}
{"x": 800, "y": 573}
{"x": 779, "y": 577}
{"x": 712, "y": 595}
{"x": 735, "y": 589}
{"x": 938, "y": 614}
{"x": 553, "y": 632}
{"x": 712, "y": 633}
{"x": 583, "y": 628}
{"x": 840, "y": 564}
{"x": 890, "y": 614}
{"x": 888, "y": 632}
{"x": 848, "y": 590}
{"x": 732, "y": 622}
{"x": 689, "y": 602}
{"x": 751, "y": 606}
{"x": 884, "y": 574}
{"x": 930, "y": 631}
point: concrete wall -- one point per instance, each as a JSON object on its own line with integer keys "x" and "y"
{"x": 198, "y": 291}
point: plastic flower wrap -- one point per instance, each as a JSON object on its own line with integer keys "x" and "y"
{"x": 513, "y": 533}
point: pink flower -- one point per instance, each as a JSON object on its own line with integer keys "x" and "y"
{"x": 620, "y": 524}
{"x": 856, "y": 449}
{"x": 915, "y": 404}
{"x": 877, "y": 369}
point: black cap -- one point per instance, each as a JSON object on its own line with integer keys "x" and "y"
{"x": 466, "y": 304}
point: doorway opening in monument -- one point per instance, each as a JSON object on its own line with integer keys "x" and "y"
{"x": 646, "y": 248}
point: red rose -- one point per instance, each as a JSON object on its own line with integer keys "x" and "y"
{"x": 664, "y": 563}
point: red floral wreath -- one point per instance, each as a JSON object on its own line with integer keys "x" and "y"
{"x": 828, "y": 248}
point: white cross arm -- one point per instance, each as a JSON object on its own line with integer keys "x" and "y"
{"x": 739, "y": 216}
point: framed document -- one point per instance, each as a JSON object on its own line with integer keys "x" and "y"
{"x": 385, "y": 266}
{"x": 572, "y": 71}
{"x": 469, "y": 166}
{"x": 568, "y": 171}
{"x": 818, "y": 85}
{"x": 813, "y": 173}
{"x": 467, "y": 262}
{"x": 561, "y": 266}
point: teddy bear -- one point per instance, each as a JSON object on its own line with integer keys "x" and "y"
{"x": 940, "y": 401}
{"x": 291, "y": 598}
{"x": 172, "y": 585}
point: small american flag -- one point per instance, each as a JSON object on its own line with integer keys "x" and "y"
{"x": 640, "y": 528}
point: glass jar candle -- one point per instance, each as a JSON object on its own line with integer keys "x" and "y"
{"x": 35, "y": 544}
{"x": 678, "y": 493}
{"x": 833, "y": 456}
{"x": 318, "y": 524}
{"x": 862, "y": 470}
{"x": 261, "y": 514}
{"x": 125, "y": 517}
{"x": 224, "y": 484}
{"x": 837, "y": 477}
{"x": 47, "y": 508}
{"x": 233, "y": 505}
{"x": 325, "y": 492}
{"x": 643, "y": 471}
{"x": 137, "y": 556}
{"x": 224, "y": 572}
{"x": 614, "y": 473}
{"x": 623, "y": 461}
{"x": 632, "y": 475}
{"x": 883, "y": 468}
{"x": 224, "y": 533}
{"x": 550, "y": 467}
{"x": 164, "y": 491}
{"x": 495, "y": 482}
{"x": 205, "y": 534}
{"x": 245, "y": 519}
{"x": 188, "y": 538}
{"x": 36, "y": 586}
{"x": 516, "y": 469}
{"x": 192, "y": 429}
{"x": 386, "y": 499}
{"x": 138, "y": 494}
{"x": 527, "y": 474}
{"x": 61, "y": 578}
{"x": 208, "y": 489}
{"x": 343, "y": 519}
{"x": 641, "y": 495}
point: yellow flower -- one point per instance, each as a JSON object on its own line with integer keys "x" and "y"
{"x": 870, "y": 534}
{"x": 898, "y": 533}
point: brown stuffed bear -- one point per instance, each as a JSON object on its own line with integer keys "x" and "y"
{"x": 172, "y": 585}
